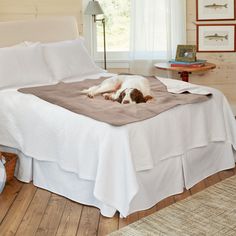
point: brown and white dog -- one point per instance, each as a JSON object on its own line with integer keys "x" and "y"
{"x": 124, "y": 89}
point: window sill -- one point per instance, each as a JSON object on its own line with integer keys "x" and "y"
{"x": 113, "y": 63}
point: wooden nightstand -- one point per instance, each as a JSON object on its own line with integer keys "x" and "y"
{"x": 185, "y": 71}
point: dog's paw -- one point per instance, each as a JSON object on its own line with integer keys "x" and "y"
{"x": 107, "y": 96}
{"x": 90, "y": 95}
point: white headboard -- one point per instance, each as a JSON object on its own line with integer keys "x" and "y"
{"x": 41, "y": 29}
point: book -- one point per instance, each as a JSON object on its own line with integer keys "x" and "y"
{"x": 187, "y": 63}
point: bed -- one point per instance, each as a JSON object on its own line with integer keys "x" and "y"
{"x": 126, "y": 168}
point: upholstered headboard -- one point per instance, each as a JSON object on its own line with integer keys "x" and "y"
{"x": 41, "y": 29}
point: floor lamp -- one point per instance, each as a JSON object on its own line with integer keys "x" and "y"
{"x": 94, "y": 9}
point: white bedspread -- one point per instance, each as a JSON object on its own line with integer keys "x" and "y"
{"x": 110, "y": 155}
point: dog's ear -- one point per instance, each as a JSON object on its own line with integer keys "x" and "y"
{"x": 137, "y": 96}
{"x": 121, "y": 97}
{"x": 148, "y": 97}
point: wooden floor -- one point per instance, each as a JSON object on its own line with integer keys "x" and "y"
{"x": 26, "y": 210}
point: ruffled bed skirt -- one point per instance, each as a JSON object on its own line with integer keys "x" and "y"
{"x": 168, "y": 177}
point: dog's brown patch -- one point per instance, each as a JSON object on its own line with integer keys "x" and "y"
{"x": 137, "y": 96}
{"x": 121, "y": 97}
{"x": 147, "y": 98}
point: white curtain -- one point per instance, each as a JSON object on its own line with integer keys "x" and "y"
{"x": 157, "y": 27}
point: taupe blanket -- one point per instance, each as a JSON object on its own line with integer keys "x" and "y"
{"x": 68, "y": 95}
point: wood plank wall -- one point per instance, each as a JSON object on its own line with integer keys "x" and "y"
{"x": 11, "y": 10}
{"x": 224, "y": 76}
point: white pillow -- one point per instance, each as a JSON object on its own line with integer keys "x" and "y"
{"x": 30, "y": 44}
{"x": 24, "y": 44}
{"x": 69, "y": 59}
{"x": 19, "y": 45}
{"x": 23, "y": 66}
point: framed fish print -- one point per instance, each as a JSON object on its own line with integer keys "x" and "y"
{"x": 210, "y": 10}
{"x": 216, "y": 38}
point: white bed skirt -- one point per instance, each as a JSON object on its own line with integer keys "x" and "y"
{"x": 169, "y": 177}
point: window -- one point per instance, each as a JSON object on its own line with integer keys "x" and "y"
{"x": 117, "y": 15}
{"x": 138, "y": 30}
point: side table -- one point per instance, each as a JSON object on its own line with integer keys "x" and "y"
{"x": 185, "y": 71}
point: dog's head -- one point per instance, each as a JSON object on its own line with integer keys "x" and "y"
{"x": 131, "y": 95}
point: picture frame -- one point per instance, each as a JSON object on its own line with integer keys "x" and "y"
{"x": 216, "y": 37}
{"x": 215, "y": 10}
{"x": 186, "y": 53}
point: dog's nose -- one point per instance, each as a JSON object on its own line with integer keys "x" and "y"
{"x": 125, "y": 102}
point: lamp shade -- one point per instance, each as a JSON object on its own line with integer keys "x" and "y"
{"x": 93, "y": 8}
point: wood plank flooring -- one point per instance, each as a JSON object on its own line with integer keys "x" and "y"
{"x": 26, "y": 210}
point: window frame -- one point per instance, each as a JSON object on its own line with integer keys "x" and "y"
{"x": 115, "y": 59}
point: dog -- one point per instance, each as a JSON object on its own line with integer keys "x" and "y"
{"x": 125, "y": 89}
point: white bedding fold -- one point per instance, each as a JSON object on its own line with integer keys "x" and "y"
{"x": 106, "y": 154}
{"x": 182, "y": 87}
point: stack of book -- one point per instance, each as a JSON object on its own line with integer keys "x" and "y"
{"x": 194, "y": 64}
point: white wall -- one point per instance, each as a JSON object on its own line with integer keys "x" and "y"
{"x": 28, "y": 9}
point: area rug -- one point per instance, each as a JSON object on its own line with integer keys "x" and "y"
{"x": 209, "y": 212}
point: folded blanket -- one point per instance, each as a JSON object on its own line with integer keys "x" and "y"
{"x": 68, "y": 95}
{"x": 182, "y": 87}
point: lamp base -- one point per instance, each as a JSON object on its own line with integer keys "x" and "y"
{"x": 104, "y": 39}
